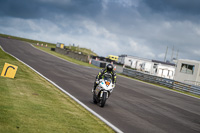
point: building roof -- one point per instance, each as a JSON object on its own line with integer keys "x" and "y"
{"x": 187, "y": 60}
{"x": 134, "y": 57}
{"x": 155, "y": 61}
{"x": 162, "y": 62}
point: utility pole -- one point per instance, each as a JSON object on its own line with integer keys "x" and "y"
{"x": 166, "y": 54}
{"x": 177, "y": 55}
{"x": 172, "y": 53}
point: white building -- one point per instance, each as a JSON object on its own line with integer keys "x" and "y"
{"x": 133, "y": 62}
{"x": 188, "y": 71}
{"x": 163, "y": 69}
{"x": 158, "y": 68}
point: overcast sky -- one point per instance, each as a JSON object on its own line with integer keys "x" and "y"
{"x": 143, "y": 28}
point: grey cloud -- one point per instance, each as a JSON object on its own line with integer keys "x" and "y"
{"x": 175, "y": 9}
{"x": 143, "y": 29}
{"x": 181, "y": 6}
{"x": 20, "y": 9}
{"x": 35, "y": 9}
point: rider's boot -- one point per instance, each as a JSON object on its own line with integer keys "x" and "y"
{"x": 95, "y": 85}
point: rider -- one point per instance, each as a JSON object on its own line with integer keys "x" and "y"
{"x": 107, "y": 69}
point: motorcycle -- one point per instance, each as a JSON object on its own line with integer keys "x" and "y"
{"x": 103, "y": 90}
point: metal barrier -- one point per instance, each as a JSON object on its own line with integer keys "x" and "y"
{"x": 98, "y": 63}
{"x": 192, "y": 82}
{"x": 162, "y": 81}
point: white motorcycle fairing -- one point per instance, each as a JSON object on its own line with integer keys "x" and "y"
{"x": 103, "y": 91}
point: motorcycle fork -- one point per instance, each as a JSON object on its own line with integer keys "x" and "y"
{"x": 101, "y": 95}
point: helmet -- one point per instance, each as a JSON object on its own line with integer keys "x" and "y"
{"x": 109, "y": 67}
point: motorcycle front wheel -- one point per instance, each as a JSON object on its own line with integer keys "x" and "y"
{"x": 103, "y": 100}
{"x": 94, "y": 99}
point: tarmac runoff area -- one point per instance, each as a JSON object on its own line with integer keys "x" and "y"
{"x": 133, "y": 106}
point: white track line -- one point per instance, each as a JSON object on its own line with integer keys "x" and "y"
{"x": 79, "y": 102}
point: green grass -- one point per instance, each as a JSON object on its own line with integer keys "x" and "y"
{"x": 65, "y": 57}
{"x": 28, "y": 103}
{"x": 28, "y": 40}
{"x": 52, "y": 45}
{"x": 83, "y": 50}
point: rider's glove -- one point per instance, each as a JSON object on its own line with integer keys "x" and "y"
{"x": 97, "y": 81}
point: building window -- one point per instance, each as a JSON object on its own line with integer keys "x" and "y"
{"x": 186, "y": 68}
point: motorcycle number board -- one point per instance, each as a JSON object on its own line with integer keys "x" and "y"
{"x": 9, "y": 70}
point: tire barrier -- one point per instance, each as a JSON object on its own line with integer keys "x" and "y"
{"x": 53, "y": 49}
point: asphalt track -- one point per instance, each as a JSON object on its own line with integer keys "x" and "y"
{"x": 133, "y": 107}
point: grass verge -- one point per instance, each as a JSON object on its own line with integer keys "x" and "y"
{"x": 65, "y": 57}
{"x": 31, "y": 104}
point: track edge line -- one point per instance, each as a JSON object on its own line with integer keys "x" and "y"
{"x": 75, "y": 99}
